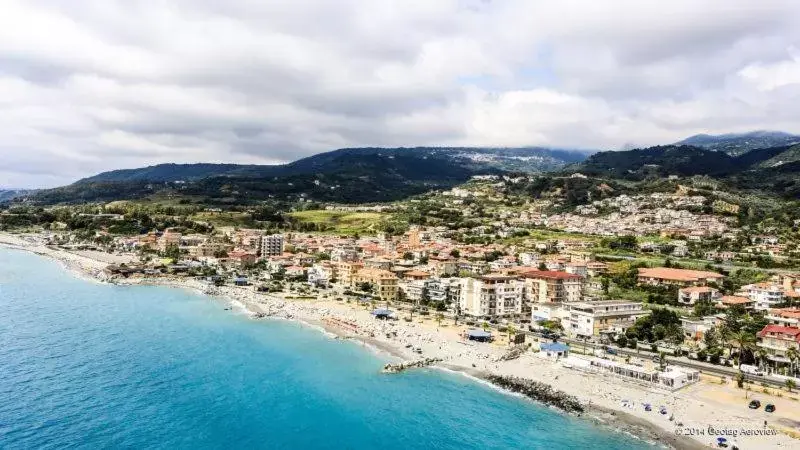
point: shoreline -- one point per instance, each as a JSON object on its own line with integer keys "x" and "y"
{"x": 468, "y": 360}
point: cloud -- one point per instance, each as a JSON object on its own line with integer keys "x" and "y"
{"x": 92, "y": 85}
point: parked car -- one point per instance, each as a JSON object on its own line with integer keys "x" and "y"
{"x": 769, "y": 408}
{"x": 751, "y": 370}
{"x": 754, "y": 404}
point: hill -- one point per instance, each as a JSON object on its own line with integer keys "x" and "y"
{"x": 736, "y": 144}
{"x": 772, "y": 170}
{"x": 346, "y": 175}
{"x": 8, "y": 194}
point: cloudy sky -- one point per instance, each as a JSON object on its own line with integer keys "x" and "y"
{"x": 92, "y": 85}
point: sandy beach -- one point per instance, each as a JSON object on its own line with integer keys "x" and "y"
{"x": 698, "y": 410}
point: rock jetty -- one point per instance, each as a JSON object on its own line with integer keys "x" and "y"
{"x": 399, "y": 367}
{"x": 540, "y": 392}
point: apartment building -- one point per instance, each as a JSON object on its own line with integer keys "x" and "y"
{"x": 765, "y": 295}
{"x": 491, "y": 296}
{"x": 547, "y": 286}
{"x": 785, "y": 317}
{"x": 385, "y": 283}
{"x": 608, "y": 316}
{"x": 345, "y": 271}
{"x": 271, "y": 245}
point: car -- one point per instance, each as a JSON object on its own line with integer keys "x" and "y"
{"x": 754, "y": 404}
{"x": 769, "y": 408}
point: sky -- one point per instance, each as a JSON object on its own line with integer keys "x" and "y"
{"x": 94, "y": 85}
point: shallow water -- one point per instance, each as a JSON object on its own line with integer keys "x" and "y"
{"x": 90, "y": 365}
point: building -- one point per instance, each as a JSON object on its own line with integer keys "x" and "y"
{"x": 603, "y": 317}
{"x": 271, "y": 245}
{"x": 776, "y": 340}
{"x": 169, "y": 239}
{"x": 546, "y": 286}
{"x": 785, "y": 317}
{"x": 727, "y": 301}
{"x": 384, "y": 282}
{"x": 680, "y": 277}
{"x": 764, "y": 295}
{"x": 554, "y": 350}
{"x": 345, "y": 271}
{"x": 415, "y": 291}
{"x": 344, "y": 254}
{"x": 320, "y": 275}
{"x": 242, "y": 258}
{"x": 694, "y": 330}
{"x": 491, "y": 296}
{"x": 541, "y": 312}
{"x": 693, "y": 294}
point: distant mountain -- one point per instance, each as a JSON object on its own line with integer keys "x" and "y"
{"x": 8, "y": 194}
{"x": 736, "y": 144}
{"x": 345, "y": 175}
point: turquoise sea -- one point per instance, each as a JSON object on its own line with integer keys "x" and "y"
{"x": 88, "y": 365}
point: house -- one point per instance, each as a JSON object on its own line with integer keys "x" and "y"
{"x": 416, "y": 275}
{"x": 786, "y": 317}
{"x": 695, "y": 330}
{"x": 693, "y": 294}
{"x": 242, "y": 258}
{"x": 657, "y": 276}
{"x": 727, "y": 301}
{"x": 776, "y": 340}
{"x": 600, "y": 317}
{"x": 295, "y": 271}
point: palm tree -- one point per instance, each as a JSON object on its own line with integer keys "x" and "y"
{"x": 662, "y": 360}
{"x": 790, "y": 384}
{"x": 439, "y": 318}
{"x": 761, "y": 355}
{"x": 512, "y": 331}
{"x": 793, "y": 356}
{"x": 485, "y": 326}
{"x": 744, "y": 341}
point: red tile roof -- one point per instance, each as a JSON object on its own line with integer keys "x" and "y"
{"x": 784, "y": 332}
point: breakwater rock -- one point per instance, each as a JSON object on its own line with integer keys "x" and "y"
{"x": 540, "y": 392}
{"x": 399, "y": 367}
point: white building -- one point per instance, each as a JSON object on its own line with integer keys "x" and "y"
{"x": 765, "y": 295}
{"x": 491, "y": 296}
{"x": 271, "y": 245}
{"x": 609, "y": 316}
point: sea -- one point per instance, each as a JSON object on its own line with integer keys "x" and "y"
{"x": 91, "y": 365}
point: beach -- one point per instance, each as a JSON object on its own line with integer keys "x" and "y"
{"x": 606, "y": 397}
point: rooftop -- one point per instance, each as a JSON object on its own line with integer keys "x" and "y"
{"x": 668, "y": 273}
{"x": 551, "y": 274}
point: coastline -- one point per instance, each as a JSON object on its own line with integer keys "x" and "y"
{"x": 393, "y": 338}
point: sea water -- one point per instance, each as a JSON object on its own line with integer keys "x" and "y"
{"x": 90, "y": 365}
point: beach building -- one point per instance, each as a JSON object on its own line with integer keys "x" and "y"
{"x": 384, "y": 282}
{"x": 602, "y": 317}
{"x": 414, "y": 290}
{"x": 694, "y": 330}
{"x": 693, "y": 294}
{"x": 320, "y": 275}
{"x": 491, "y": 296}
{"x": 672, "y": 378}
{"x": 657, "y": 276}
{"x": 554, "y": 350}
{"x": 271, "y": 245}
{"x": 546, "y": 286}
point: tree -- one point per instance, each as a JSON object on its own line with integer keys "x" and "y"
{"x": 793, "y": 356}
{"x": 622, "y": 341}
{"x": 790, "y": 384}
{"x": 662, "y": 360}
{"x": 744, "y": 342}
{"x": 439, "y": 318}
{"x": 366, "y": 287}
{"x": 485, "y": 326}
{"x": 455, "y": 253}
{"x": 512, "y": 331}
{"x": 542, "y": 266}
{"x": 408, "y": 256}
